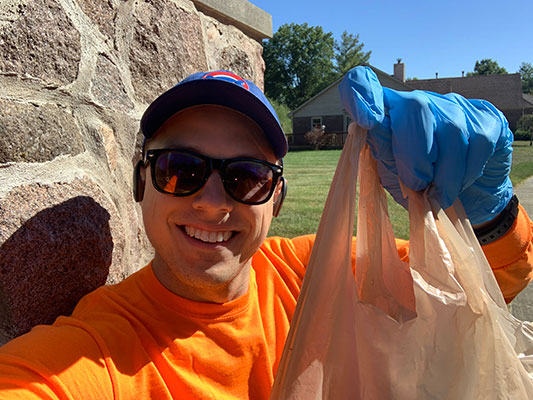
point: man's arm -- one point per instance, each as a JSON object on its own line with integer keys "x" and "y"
{"x": 54, "y": 362}
{"x": 511, "y": 257}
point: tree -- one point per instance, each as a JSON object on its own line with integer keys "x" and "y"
{"x": 487, "y": 66}
{"x": 526, "y": 75}
{"x": 299, "y": 63}
{"x": 283, "y": 114}
{"x": 524, "y": 128}
{"x": 349, "y": 53}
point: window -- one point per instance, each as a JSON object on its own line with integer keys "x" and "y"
{"x": 316, "y": 122}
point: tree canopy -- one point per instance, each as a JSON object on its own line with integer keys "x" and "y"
{"x": 349, "y": 53}
{"x": 301, "y": 60}
{"x": 487, "y": 66}
{"x": 526, "y": 75}
{"x": 298, "y": 61}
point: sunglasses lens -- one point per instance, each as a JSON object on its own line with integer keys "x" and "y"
{"x": 179, "y": 173}
{"x": 248, "y": 181}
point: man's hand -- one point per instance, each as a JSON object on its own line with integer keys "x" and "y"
{"x": 461, "y": 146}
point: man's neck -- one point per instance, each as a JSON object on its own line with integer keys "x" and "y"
{"x": 211, "y": 293}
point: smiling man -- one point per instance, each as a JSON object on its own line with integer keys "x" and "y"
{"x": 208, "y": 317}
{"x": 205, "y": 241}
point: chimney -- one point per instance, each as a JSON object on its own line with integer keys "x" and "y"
{"x": 399, "y": 70}
{"x": 463, "y": 74}
{"x": 436, "y": 75}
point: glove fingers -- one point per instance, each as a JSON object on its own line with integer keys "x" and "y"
{"x": 362, "y": 95}
{"x": 484, "y": 128}
{"x": 444, "y": 139}
{"x": 379, "y": 139}
{"x": 412, "y": 123}
{"x": 486, "y": 184}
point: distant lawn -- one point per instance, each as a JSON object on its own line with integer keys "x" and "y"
{"x": 309, "y": 175}
{"x": 522, "y": 161}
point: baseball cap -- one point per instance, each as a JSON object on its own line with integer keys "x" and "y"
{"x": 221, "y": 88}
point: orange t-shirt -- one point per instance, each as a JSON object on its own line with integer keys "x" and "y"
{"x": 137, "y": 340}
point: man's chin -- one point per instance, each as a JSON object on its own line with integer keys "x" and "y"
{"x": 213, "y": 280}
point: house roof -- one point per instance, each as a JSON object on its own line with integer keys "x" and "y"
{"x": 504, "y": 91}
{"x": 528, "y": 98}
{"x": 384, "y": 78}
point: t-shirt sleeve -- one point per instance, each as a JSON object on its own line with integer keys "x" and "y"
{"x": 53, "y": 362}
{"x": 511, "y": 256}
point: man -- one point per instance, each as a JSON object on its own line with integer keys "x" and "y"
{"x": 208, "y": 317}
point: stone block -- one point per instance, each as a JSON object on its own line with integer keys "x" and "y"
{"x": 229, "y": 48}
{"x": 34, "y": 133}
{"x": 167, "y": 45}
{"x": 102, "y": 13}
{"x": 107, "y": 87}
{"x": 252, "y": 20}
{"x": 58, "y": 242}
{"x": 40, "y": 42}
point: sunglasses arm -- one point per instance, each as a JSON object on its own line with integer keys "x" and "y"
{"x": 279, "y": 200}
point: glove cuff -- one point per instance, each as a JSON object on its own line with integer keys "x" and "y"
{"x": 500, "y": 225}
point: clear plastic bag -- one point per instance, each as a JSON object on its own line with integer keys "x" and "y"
{"x": 437, "y": 328}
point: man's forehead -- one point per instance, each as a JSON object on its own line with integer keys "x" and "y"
{"x": 223, "y": 123}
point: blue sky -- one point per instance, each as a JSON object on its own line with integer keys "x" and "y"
{"x": 430, "y": 36}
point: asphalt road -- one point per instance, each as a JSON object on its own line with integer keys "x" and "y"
{"x": 522, "y": 306}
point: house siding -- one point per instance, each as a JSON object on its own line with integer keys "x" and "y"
{"x": 334, "y": 123}
{"x": 328, "y": 103}
{"x": 301, "y": 125}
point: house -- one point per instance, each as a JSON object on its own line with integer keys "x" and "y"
{"x": 324, "y": 110}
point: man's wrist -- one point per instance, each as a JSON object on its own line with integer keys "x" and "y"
{"x": 498, "y": 226}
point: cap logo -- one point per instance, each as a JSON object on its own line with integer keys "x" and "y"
{"x": 228, "y": 77}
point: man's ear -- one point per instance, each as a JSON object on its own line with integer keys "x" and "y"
{"x": 139, "y": 180}
{"x": 279, "y": 196}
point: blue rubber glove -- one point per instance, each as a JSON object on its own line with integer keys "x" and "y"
{"x": 462, "y": 146}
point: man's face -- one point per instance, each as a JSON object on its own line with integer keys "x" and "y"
{"x": 182, "y": 229}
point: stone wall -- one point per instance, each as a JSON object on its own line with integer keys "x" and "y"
{"x": 75, "y": 77}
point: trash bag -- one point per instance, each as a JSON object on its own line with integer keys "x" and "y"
{"x": 435, "y": 328}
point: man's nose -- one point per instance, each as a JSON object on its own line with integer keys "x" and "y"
{"x": 212, "y": 197}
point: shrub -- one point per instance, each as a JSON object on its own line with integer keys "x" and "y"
{"x": 318, "y": 138}
{"x": 524, "y": 128}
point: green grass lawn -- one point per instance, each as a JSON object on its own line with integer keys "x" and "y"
{"x": 522, "y": 162}
{"x": 309, "y": 175}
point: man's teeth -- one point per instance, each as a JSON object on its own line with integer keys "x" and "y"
{"x": 209, "y": 237}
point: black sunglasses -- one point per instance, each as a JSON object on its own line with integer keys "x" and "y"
{"x": 183, "y": 173}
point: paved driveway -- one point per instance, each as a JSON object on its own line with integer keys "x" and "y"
{"x": 522, "y": 305}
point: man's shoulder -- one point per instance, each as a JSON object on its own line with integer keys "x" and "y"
{"x": 296, "y": 241}
{"x": 283, "y": 252}
{"x": 129, "y": 290}
{"x": 300, "y": 245}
